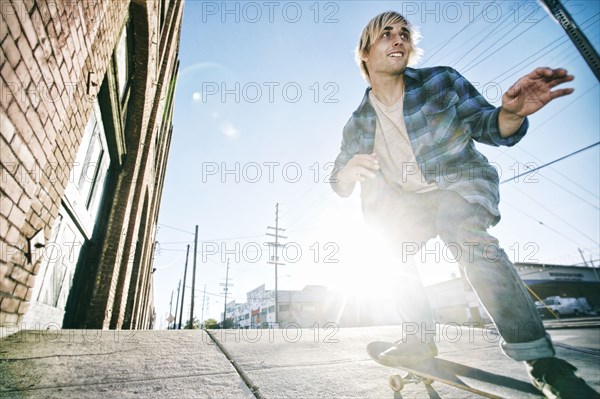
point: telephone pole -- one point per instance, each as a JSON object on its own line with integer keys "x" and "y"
{"x": 171, "y": 309}
{"x": 226, "y": 286}
{"x": 194, "y": 279}
{"x": 275, "y": 259}
{"x": 582, "y": 257}
{"x": 203, "y": 300}
{"x": 183, "y": 288}
{"x": 226, "y": 290}
{"x": 176, "y": 303}
{"x": 562, "y": 16}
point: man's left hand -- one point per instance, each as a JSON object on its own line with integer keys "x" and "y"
{"x": 533, "y": 91}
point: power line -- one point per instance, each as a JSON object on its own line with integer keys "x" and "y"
{"x": 305, "y": 198}
{"x": 579, "y": 39}
{"x": 174, "y": 228}
{"x": 210, "y": 240}
{"x": 550, "y": 163}
{"x": 565, "y": 107}
{"x": 541, "y": 223}
{"x": 561, "y": 174}
{"x": 553, "y": 116}
{"x": 468, "y": 67}
{"x": 299, "y": 199}
{"x": 452, "y": 37}
{"x": 553, "y": 45}
{"x": 319, "y": 200}
{"x": 471, "y": 65}
{"x": 555, "y": 215}
{"x": 495, "y": 29}
{"x": 538, "y": 221}
{"x": 207, "y": 293}
{"x": 568, "y": 191}
{"x": 230, "y": 239}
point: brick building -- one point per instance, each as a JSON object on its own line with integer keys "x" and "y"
{"x": 85, "y": 115}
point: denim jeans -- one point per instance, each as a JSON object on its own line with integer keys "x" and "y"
{"x": 412, "y": 219}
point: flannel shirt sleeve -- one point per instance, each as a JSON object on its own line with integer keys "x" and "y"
{"x": 480, "y": 118}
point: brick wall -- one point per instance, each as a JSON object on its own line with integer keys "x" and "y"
{"x": 55, "y": 55}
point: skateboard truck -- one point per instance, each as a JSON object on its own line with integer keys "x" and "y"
{"x": 397, "y": 381}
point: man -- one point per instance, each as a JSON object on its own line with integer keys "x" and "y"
{"x": 410, "y": 145}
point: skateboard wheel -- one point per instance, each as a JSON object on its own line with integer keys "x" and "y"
{"x": 396, "y": 382}
{"x": 427, "y": 381}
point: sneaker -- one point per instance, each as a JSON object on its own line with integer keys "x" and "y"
{"x": 407, "y": 352}
{"x": 556, "y": 379}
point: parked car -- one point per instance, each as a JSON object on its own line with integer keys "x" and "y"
{"x": 556, "y": 306}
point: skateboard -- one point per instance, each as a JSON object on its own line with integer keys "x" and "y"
{"x": 467, "y": 378}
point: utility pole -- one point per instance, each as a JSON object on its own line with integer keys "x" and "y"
{"x": 176, "y": 303}
{"x": 226, "y": 290}
{"x": 194, "y": 279}
{"x": 203, "y": 299}
{"x": 183, "y": 289}
{"x": 170, "y": 309}
{"x": 582, "y": 257}
{"x": 591, "y": 262}
{"x": 275, "y": 259}
{"x": 562, "y": 16}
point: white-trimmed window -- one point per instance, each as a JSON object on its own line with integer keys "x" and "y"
{"x": 74, "y": 225}
{"x": 122, "y": 58}
{"x": 58, "y": 268}
{"x": 84, "y": 191}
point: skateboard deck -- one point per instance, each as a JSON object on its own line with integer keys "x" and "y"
{"x": 468, "y": 378}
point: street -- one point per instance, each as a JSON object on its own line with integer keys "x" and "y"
{"x": 588, "y": 338}
{"x": 278, "y": 363}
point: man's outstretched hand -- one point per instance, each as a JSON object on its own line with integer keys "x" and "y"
{"x": 529, "y": 94}
{"x": 534, "y": 90}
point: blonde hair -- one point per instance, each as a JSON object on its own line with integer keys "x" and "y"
{"x": 375, "y": 28}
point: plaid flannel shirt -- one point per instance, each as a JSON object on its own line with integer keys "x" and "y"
{"x": 443, "y": 114}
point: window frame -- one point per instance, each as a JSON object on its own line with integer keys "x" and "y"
{"x": 123, "y": 97}
{"x": 86, "y": 213}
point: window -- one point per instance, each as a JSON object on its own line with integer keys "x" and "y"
{"x": 122, "y": 60}
{"x": 58, "y": 268}
{"x": 83, "y": 193}
{"x": 74, "y": 225}
{"x": 164, "y": 4}
{"x": 284, "y": 308}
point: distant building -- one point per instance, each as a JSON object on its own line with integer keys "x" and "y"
{"x": 85, "y": 115}
{"x": 454, "y": 301}
{"x": 312, "y": 305}
{"x": 559, "y": 280}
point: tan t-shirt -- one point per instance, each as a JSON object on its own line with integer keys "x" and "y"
{"x": 394, "y": 152}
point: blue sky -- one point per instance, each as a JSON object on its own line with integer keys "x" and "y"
{"x": 263, "y": 93}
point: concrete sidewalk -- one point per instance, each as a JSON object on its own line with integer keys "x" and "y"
{"x": 281, "y": 363}
{"x": 116, "y": 364}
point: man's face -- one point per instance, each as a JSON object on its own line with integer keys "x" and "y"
{"x": 390, "y": 51}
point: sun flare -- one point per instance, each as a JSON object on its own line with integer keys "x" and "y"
{"x": 368, "y": 267}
